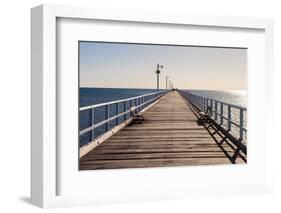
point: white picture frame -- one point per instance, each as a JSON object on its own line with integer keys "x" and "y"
{"x": 45, "y": 153}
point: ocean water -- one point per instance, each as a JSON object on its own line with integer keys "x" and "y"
{"x": 236, "y": 97}
{"x": 90, "y": 96}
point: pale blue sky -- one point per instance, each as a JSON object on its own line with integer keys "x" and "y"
{"x": 117, "y": 65}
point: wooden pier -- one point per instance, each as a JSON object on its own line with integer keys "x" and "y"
{"x": 169, "y": 136}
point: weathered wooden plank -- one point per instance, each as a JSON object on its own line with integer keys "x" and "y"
{"x": 151, "y": 163}
{"x": 135, "y": 151}
{"x": 162, "y": 136}
{"x": 163, "y": 142}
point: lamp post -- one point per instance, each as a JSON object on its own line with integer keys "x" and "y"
{"x": 157, "y": 73}
{"x": 167, "y": 82}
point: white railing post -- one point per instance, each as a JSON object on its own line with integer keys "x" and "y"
{"x": 91, "y": 122}
{"x": 221, "y": 113}
{"x": 125, "y": 109}
{"x": 229, "y": 117}
{"x": 145, "y": 100}
{"x": 211, "y": 108}
{"x": 216, "y": 110}
{"x": 130, "y": 105}
{"x": 117, "y": 112}
{"x": 106, "y": 117}
{"x": 140, "y": 104}
{"x": 241, "y": 124}
{"x": 204, "y": 104}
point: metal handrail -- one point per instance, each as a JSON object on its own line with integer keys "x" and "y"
{"x": 219, "y": 116}
{"x": 140, "y": 103}
{"x": 224, "y": 103}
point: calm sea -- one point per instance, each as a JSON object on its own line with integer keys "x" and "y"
{"x": 90, "y": 96}
{"x": 236, "y": 97}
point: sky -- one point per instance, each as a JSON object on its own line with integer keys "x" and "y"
{"x": 121, "y": 65}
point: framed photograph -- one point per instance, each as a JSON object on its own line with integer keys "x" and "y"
{"x": 150, "y": 120}
{"x": 129, "y": 106}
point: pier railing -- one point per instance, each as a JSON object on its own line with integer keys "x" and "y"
{"x": 112, "y": 114}
{"x": 231, "y": 117}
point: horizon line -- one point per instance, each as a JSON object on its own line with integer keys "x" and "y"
{"x": 85, "y": 87}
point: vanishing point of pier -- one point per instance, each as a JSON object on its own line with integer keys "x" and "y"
{"x": 178, "y": 129}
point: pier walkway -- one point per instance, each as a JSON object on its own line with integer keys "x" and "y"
{"x": 169, "y": 136}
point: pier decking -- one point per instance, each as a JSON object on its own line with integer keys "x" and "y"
{"x": 169, "y": 136}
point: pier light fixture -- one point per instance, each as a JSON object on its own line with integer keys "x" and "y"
{"x": 157, "y": 73}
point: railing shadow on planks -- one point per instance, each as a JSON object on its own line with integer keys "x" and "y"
{"x": 228, "y": 119}
{"x": 105, "y": 119}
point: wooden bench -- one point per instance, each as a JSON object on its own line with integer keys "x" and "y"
{"x": 204, "y": 116}
{"x": 137, "y": 118}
